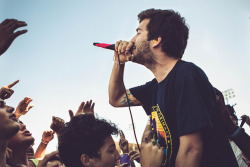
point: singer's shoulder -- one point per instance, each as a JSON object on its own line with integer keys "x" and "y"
{"x": 188, "y": 69}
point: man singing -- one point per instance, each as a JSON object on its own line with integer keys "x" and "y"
{"x": 180, "y": 101}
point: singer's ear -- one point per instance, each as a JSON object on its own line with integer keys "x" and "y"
{"x": 156, "y": 42}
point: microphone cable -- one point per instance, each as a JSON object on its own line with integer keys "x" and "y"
{"x": 131, "y": 116}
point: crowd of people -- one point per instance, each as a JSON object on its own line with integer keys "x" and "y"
{"x": 189, "y": 124}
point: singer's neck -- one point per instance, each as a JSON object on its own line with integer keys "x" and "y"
{"x": 162, "y": 67}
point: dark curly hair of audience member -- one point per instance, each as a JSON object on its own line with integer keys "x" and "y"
{"x": 84, "y": 134}
{"x": 170, "y": 26}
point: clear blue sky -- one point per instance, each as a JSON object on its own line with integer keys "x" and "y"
{"x": 58, "y": 66}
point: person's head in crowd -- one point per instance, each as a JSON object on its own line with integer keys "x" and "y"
{"x": 166, "y": 28}
{"x": 8, "y": 128}
{"x": 8, "y": 122}
{"x": 23, "y": 139}
{"x": 19, "y": 144}
{"x": 87, "y": 141}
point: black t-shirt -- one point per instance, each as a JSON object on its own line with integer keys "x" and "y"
{"x": 185, "y": 102}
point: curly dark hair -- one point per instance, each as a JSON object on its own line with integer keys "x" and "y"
{"x": 84, "y": 134}
{"x": 170, "y": 26}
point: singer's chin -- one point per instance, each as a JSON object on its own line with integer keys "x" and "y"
{"x": 136, "y": 59}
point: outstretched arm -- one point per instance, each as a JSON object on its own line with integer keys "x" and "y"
{"x": 46, "y": 138}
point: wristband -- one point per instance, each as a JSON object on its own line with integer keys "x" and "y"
{"x": 235, "y": 133}
{"x": 44, "y": 142}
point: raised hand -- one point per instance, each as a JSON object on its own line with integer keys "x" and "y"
{"x": 123, "y": 143}
{"x": 8, "y": 34}
{"x": 23, "y": 107}
{"x": 57, "y": 124}
{"x": 88, "y": 107}
{"x": 6, "y": 91}
{"x": 48, "y": 135}
{"x": 84, "y": 108}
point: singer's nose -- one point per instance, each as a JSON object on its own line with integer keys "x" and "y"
{"x": 133, "y": 39}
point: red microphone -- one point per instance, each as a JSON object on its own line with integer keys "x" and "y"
{"x": 105, "y": 46}
{"x": 108, "y": 46}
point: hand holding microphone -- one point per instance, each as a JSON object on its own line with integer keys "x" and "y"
{"x": 123, "y": 48}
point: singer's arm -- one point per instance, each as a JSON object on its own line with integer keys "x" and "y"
{"x": 117, "y": 96}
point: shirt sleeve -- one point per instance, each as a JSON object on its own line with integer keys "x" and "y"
{"x": 143, "y": 93}
{"x": 194, "y": 102}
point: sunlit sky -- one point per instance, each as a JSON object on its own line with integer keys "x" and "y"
{"x": 58, "y": 66}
